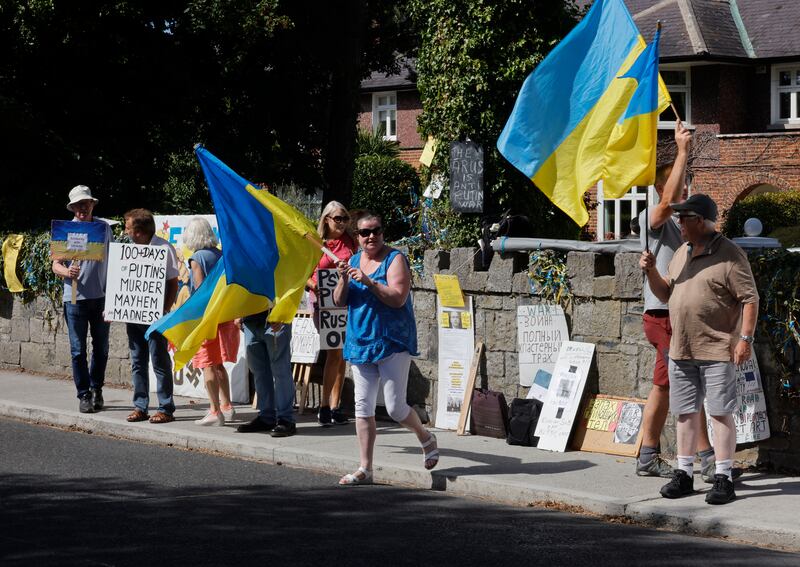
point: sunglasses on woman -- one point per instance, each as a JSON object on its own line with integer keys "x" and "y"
{"x": 365, "y": 232}
{"x": 340, "y": 219}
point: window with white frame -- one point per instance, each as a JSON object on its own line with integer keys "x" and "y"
{"x": 614, "y": 215}
{"x": 785, "y": 97}
{"x": 384, "y": 114}
{"x": 678, "y": 83}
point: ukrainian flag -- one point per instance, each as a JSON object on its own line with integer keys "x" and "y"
{"x": 564, "y": 131}
{"x": 267, "y": 259}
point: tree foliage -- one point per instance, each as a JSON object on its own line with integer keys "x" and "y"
{"x": 473, "y": 58}
{"x": 114, "y": 94}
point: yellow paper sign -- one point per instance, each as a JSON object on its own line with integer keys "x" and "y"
{"x": 428, "y": 151}
{"x": 444, "y": 321}
{"x": 449, "y": 290}
{"x": 466, "y": 320}
{"x": 602, "y": 415}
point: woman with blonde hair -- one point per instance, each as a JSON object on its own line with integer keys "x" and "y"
{"x": 333, "y": 228}
{"x": 200, "y": 238}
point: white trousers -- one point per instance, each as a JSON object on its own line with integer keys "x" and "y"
{"x": 390, "y": 375}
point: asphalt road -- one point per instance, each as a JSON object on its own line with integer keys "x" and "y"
{"x": 75, "y": 499}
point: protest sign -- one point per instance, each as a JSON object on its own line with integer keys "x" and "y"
{"x": 456, "y": 344}
{"x": 448, "y": 290}
{"x": 750, "y": 415}
{"x": 305, "y": 339}
{"x": 610, "y": 424}
{"x": 332, "y": 319}
{"x": 135, "y": 283}
{"x": 564, "y": 395}
{"x": 466, "y": 177}
{"x": 74, "y": 240}
{"x": 540, "y": 331}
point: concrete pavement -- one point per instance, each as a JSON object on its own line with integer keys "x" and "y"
{"x": 763, "y": 514}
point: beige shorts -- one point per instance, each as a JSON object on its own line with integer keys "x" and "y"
{"x": 692, "y": 381}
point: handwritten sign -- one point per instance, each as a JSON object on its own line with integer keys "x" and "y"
{"x": 750, "y": 415}
{"x": 564, "y": 395}
{"x": 74, "y": 240}
{"x": 449, "y": 290}
{"x": 332, "y": 319}
{"x": 466, "y": 177}
{"x": 540, "y": 331}
{"x": 305, "y": 340}
{"x": 135, "y": 283}
{"x": 602, "y": 414}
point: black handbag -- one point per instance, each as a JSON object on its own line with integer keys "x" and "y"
{"x": 523, "y": 417}
{"x": 489, "y": 414}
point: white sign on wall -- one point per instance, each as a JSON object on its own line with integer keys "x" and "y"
{"x": 540, "y": 331}
{"x": 564, "y": 395}
{"x": 135, "y": 283}
{"x": 456, "y": 345}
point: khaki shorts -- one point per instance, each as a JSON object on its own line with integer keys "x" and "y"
{"x": 692, "y": 381}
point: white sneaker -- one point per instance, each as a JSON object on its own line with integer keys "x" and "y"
{"x": 229, "y": 414}
{"x": 211, "y": 419}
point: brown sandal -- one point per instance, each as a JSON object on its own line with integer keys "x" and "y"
{"x": 161, "y": 417}
{"x": 137, "y": 415}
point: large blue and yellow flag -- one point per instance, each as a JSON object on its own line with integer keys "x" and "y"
{"x": 267, "y": 259}
{"x": 564, "y": 132}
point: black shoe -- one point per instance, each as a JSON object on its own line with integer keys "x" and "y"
{"x": 681, "y": 485}
{"x": 722, "y": 491}
{"x": 86, "y": 405}
{"x": 255, "y": 425}
{"x": 324, "y": 416}
{"x": 338, "y": 417}
{"x": 97, "y": 399}
{"x": 284, "y": 429}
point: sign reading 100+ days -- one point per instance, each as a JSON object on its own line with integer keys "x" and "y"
{"x": 466, "y": 177}
{"x": 136, "y": 283}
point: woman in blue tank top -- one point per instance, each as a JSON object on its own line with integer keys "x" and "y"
{"x": 380, "y": 339}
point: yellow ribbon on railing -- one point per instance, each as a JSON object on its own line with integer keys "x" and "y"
{"x": 11, "y": 247}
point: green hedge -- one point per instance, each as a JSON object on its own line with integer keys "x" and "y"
{"x": 774, "y": 210}
{"x": 386, "y": 186}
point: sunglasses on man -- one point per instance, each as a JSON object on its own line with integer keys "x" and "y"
{"x": 365, "y": 232}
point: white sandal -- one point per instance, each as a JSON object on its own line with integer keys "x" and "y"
{"x": 432, "y": 455}
{"x": 352, "y": 479}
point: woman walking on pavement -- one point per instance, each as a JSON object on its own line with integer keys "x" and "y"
{"x": 332, "y": 228}
{"x": 380, "y": 339}
{"x": 200, "y": 238}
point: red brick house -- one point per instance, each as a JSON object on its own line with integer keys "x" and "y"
{"x": 733, "y": 70}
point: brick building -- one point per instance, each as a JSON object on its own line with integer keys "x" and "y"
{"x": 733, "y": 70}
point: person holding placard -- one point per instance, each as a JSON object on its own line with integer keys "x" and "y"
{"x": 333, "y": 229}
{"x": 213, "y": 353}
{"x": 380, "y": 340}
{"x": 140, "y": 226}
{"x": 85, "y": 315}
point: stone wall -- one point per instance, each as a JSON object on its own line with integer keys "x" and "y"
{"x": 606, "y": 310}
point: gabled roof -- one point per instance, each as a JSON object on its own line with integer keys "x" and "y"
{"x": 406, "y": 79}
{"x": 720, "y": 29}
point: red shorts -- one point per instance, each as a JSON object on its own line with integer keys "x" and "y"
{"x": 658, "y": 331}
{"x": 222, "y": 348}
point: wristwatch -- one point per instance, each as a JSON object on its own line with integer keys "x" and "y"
{"x": 747, "y": 338}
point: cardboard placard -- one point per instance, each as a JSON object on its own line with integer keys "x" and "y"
{"x": 75, "y": 240}
{"x": 305, "y": 339}
{"x": 332, "y": 319}
{"x": 135, "y": 282}
{"x": 540, "y": 331}
{"x": 610, "y": 424}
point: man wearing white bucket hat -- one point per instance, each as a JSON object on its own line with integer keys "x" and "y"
{"x": 86, "y": 314}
